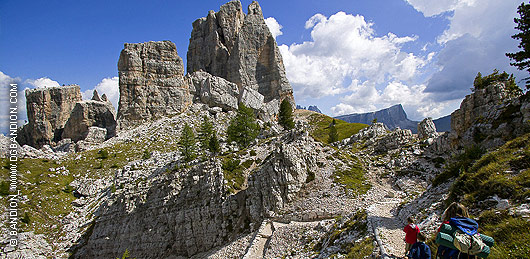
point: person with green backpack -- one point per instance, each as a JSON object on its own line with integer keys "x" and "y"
{"x": 458, "y": 236}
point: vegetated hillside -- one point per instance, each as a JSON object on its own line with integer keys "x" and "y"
{"x": 320, "y": 126}
{"x": 495, "y": 187}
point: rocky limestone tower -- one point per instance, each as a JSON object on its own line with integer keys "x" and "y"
{"x": 151, "y": 82}
{"x": 241, "y": 49}
{"x": 48, "y": 111}
{"x": 98, "y": 112}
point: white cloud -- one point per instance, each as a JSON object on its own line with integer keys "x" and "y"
{"x": 108, "y": 86}
{"x": 431, "y": 8}
{"x": 346, "y": 57}
{"x": 416, "y": 102}
{"x": 478, "y": 35}
{"x": 42, "y": 82}
{"x": 274, "y": 27}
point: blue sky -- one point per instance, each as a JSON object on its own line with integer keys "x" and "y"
{"x": 344, "y": 56}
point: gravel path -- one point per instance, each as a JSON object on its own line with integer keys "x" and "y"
{"x": 382, "y": 214}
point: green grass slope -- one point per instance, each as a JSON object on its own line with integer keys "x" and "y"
{"x": 320, "y": 127}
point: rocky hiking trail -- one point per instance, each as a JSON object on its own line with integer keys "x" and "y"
{"x": 382, "y": 216}
{"x": 381, "y": 203}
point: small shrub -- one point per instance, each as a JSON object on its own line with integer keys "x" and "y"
{"x": 99, "y": 166}
{"x": 26, "y": 218}
{"x": 146, "y": 154}
{"x": 68, "y": 189}
{"x": 4, "y": 188}
{"x": 310, "y": 176}
{"x": 103, "y": 154}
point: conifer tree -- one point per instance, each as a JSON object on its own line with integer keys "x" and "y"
{"x": 333, "y": 134}
{"x": 243, "y": 128}
{"x": 286, "y": 115}
{"x": 187, "y": 143}
{"x": 205, "y": 132}
{"x": 213, "y": 144}
{"x": 522, "y": 58}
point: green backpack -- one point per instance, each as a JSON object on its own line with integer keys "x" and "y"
{"x": 469, "y": 244}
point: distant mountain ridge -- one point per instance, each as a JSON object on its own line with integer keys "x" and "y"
{"x": 310, "y": 108}
{"x": 393, "y": 117}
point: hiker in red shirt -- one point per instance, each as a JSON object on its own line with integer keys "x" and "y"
{"x": 411, "y": 232}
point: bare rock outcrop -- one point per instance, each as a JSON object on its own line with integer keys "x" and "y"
{"x": 241, "y": 49}
{"x": 90, "y": 113}
{"x": 151, "y": 82}
{"x": 48, "y": 111}
{"x": 213, "y": 90}
{"x": 489, "y": 117}
{"x": 427, "y": 129}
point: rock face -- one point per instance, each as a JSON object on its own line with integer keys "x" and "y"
{"x": 427, "y": 129}
{"x": 90, "y": 113}
{"x": 214, "y": 91}
{"x": 48, "y": 111}
{"x": 369, "y": 133}
{"x": 241, "y": 49}
{"x": 151, "y": 82}
{"x": 476, "y": 105}
{"x": 489, "y": 117}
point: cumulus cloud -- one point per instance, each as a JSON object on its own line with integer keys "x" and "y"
{"x": 274, "y": 27}
{"x": 431, "y": 8}
{"x": 476, "y": 39}
{"x": 42, "y": 82}
{"x": 346, "y": 57}
{"x": 108, "y": 86}
{"x": 417, "y": 103}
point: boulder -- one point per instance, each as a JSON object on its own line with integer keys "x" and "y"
{"x": 371, "y": 132}
{"x": 48, "y": 111}
{"x": 90, "y": 113}
{"x": 214, "y": 91}
{"x": 427, "y": 129}
{"x": 96, "y": 135}
{"x": 151, "y": 83}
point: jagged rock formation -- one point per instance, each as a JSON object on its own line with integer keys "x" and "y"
{"x": 309, "y": 108}
{"x": 241, "y": 49}
{"x": 48, "y": 111}
{"x": 392, "y": 117}
{"x": 151, "y": 82}
{"x": 489, "y": 116}
{"x": 427, "y": 129}
{"x": 90, "y": 113}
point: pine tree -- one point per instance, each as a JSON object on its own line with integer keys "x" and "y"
{"x": 522, "y": 58}
{"x": 205, "y": 132}
{"x": 213, "y": 144}
{"x": 187, "y": 143}
{"x": 333, "y": 134}
{"x": 243, "y": 128}
{"x": 286, "y": 115}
